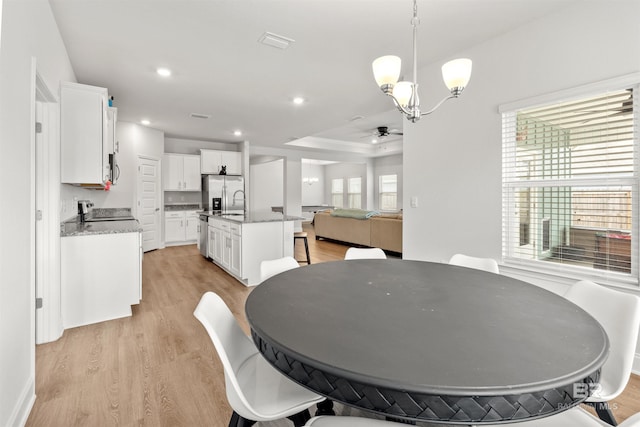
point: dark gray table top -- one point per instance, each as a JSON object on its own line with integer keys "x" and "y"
{"x": 427, "y": 328}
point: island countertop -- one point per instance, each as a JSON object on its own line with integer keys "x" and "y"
{"x": 76, "y": 228}
{"x": 253, "y": 217}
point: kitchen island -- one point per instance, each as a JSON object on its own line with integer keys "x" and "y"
{"x": 239, "y": 243}
{"x": 101, "y": 270}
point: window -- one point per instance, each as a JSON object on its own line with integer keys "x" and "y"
{"x": 388, "y": 192}
{"x": 354, "y": 193}
{"x": 337, "y": 189}
{"x": 570, "y": 184}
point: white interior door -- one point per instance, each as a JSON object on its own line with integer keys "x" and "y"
{"x": 149, "y": 202}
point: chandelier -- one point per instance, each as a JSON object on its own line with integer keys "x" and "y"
{"x": 386, "y": 71}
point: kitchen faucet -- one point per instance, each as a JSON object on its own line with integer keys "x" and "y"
{"x": 233, "y": 200}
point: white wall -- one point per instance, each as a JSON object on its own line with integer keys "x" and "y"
{"x": 28, "y": 31}
{"x": 313, "y": 194}
{"x": 192, "y": 146}
{"x": 452, "y": 158}
{"x": 266, "y": 186}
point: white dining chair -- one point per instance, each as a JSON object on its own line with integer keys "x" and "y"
{"x": 256, "y": 391}
{"x": 619, "y": 314}
{"x": 365, "y": 253}
{"x": 574, "y": 417}
{"x": 271, "y": 267}
{"x": 486, "y": 264}
{"x": 342, "y": 421}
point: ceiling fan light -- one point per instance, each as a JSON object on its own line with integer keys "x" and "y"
{"x": 402, "y": 92}
{"x": 386, "y": 70}
{"x": 456, "y": 74}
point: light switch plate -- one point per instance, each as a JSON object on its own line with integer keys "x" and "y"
{"x": 414, "y": 201}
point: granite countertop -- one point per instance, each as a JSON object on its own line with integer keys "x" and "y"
{"x": 253, "y": 217}
{"x": 76, "y": 228}
{"x": 185, "y": 207}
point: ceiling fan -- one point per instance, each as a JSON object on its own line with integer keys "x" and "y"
{"x": 381, "y": 132}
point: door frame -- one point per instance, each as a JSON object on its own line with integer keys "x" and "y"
{"x": 45, "y": 281}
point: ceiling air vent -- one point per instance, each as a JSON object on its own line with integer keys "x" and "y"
{"x": 200, "y": 116}
{"x": 274, "y": 40}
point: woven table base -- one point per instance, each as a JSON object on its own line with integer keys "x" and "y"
{"x": 425, "y": 407}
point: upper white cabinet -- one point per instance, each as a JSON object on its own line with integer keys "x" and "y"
{"x": 181, "y": 172}
{"x": 84, "y": 131}
{"x": 212, "y": 160}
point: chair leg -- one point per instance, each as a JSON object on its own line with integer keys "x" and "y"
{"x": 238, "y": 421}
{"x": 300, "y": 418}
{"x": 306, "y": 248}
{"x": 325, "y": 408}
{"x": 604, "y": 412}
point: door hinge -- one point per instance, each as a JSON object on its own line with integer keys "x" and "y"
{"x": 38, "y": 215}
{"x": 38, "y": 303}
{"x": 38, "y": 127}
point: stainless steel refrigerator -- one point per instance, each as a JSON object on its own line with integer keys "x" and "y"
{"x": 228, "y": 189}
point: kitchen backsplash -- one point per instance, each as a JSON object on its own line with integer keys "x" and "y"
{"x": 182, "y": 197}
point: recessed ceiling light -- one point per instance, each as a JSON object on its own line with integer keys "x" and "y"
{"x": 145, "y": 122}
{"x": 298, "y": 100}
{"x": 374, "y": 141}
{"x": 237, "y": 132}
{"x": 164, "y": 72}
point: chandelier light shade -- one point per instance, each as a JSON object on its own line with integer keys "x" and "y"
{"x": 456, "y": 74}
{"x": 386, "y": 71}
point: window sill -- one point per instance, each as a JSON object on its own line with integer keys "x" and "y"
{"x": 551, "y": 276}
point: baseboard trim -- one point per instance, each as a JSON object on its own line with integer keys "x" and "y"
{"x": 636, "y": 364}
{"x": 24, "y": 405}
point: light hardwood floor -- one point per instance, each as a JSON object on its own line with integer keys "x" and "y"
{"x": 158, "y": 367}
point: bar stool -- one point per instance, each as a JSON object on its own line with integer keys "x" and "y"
{"x": 302, "y": 235}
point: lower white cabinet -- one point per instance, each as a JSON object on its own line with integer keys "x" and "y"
{"x": 239, "y": 248}
{"x": 180, "y": 227}
{"x": 101, "y": 277}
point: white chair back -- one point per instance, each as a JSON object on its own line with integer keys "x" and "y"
{"x": 486, "y": 264}
{"x": 271, "y": 267}
{"x": 619, "y": 314}
{"x": 232, "y": 345}
{"x": 365, "y": 253}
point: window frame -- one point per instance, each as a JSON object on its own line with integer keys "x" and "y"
{"x": 381, "y": 193}
{"x": 334, "y": 195}
{"x": 540, "y": 268}
{"x": 349, "y": 193}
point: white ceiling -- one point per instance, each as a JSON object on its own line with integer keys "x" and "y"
{"x": 221, "y": 70}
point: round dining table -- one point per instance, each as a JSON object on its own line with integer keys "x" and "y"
{"x": 422, "y": 341}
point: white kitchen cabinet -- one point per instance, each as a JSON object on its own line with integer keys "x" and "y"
{"x": 100, "y": 277}
{"x": 113, "y": 146}
{"x": 191, "y": 221}
{"x": 84, "y": 138}
{"x": 173, "y": 227}
{"x": 235, "y": 250}
{"x": 212, "y": 160}
{"x": 180, "y": 227}
{"x": 181, "y": 172}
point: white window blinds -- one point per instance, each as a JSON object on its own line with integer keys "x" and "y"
{"x": 570, "y": 183}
